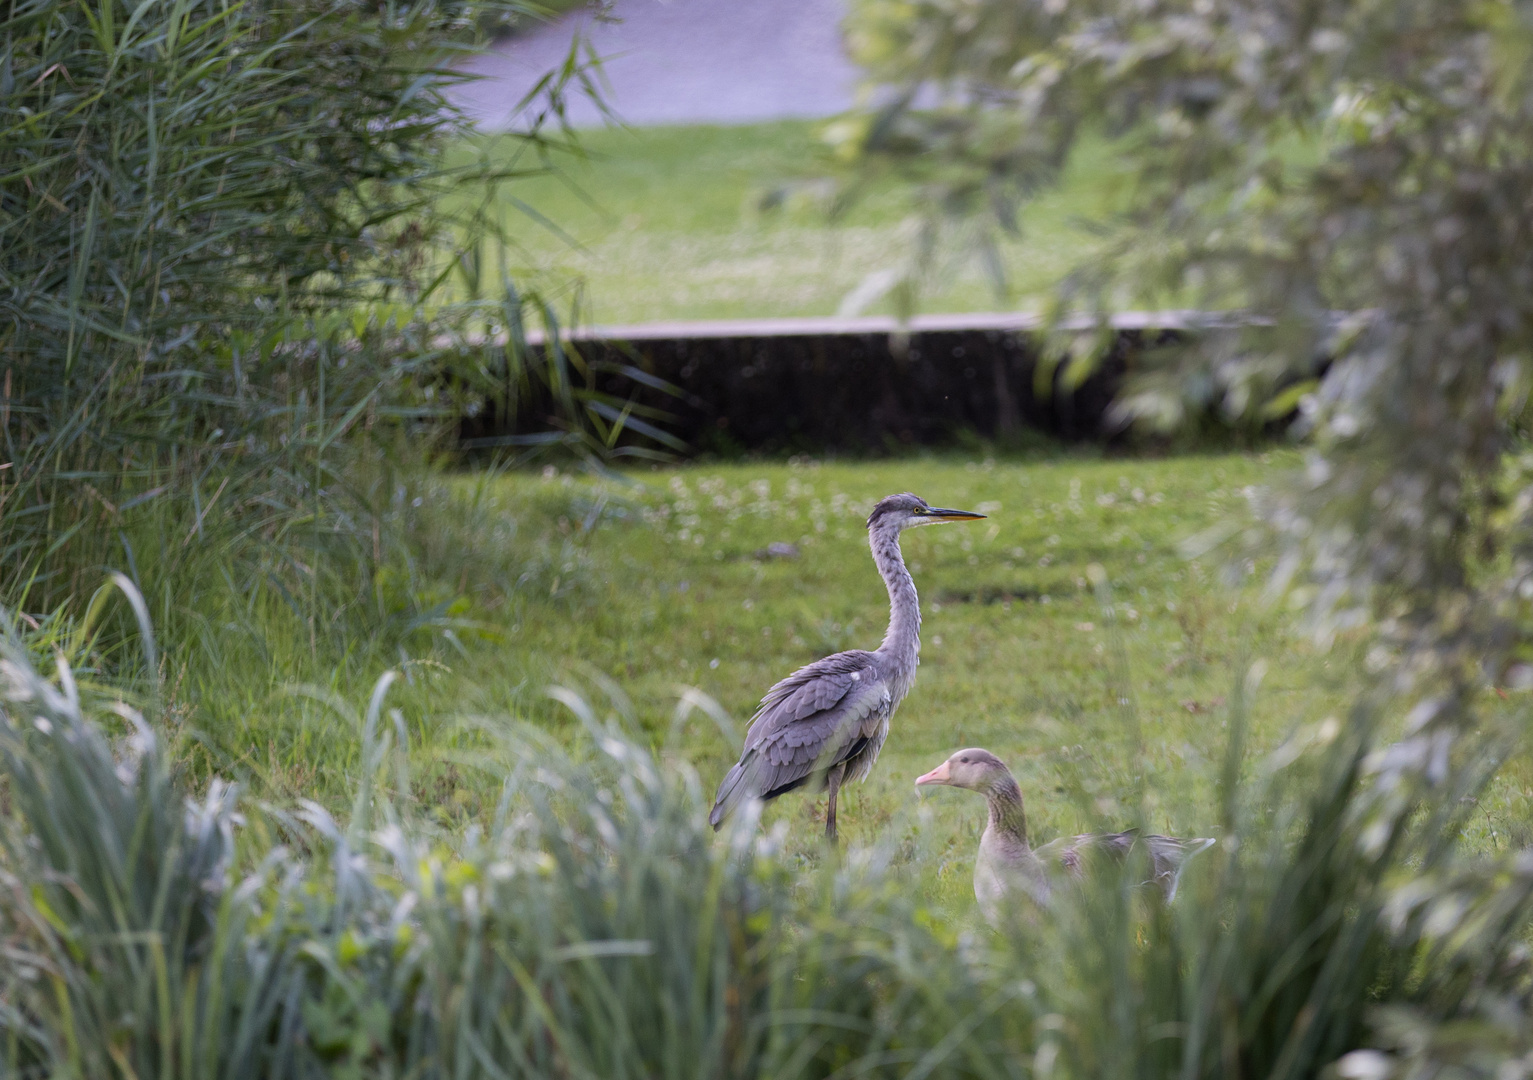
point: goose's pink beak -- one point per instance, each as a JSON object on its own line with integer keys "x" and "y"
{"x": 939, "y": 775}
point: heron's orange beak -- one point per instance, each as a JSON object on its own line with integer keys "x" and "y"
{"x": 939, "y": 775}
{"x": 952, "y": 515}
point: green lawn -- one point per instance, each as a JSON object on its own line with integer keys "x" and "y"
{"x": 716, "y": 222}
{"x": 649, "y": 583}
{"x": 653, "y": 581}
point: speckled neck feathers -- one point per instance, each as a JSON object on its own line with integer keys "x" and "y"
{"x": 902, "y": 642}
{"x": 1007, "y": 817}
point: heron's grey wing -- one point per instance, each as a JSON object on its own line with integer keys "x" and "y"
{"x": 808, "y": 722}
{"x": 823, "y": 739}
{"x": 813, "y": 688}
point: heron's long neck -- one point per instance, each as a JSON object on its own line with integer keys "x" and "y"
{"x": 902, "y": 643}
{"x": 1006, "y": 813}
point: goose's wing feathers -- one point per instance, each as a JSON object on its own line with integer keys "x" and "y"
{"x": 814, "y": 719}
{"x": 1168, "y": 855}
{"x": 1069, "y": 853}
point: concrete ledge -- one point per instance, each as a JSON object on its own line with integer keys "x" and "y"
{"x": 1015, "y": 322}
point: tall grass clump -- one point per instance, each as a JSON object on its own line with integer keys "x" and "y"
{"x": 1342, "y": 897}
{"x": 229, "y": 359}
{"x": 592, "y": 928}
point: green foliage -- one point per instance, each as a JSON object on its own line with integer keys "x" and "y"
{"x": 186, "y": 329}
{"x": 1342, "y": 174}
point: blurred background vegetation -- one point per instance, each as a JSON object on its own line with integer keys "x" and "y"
{"x": 324, "y": 755}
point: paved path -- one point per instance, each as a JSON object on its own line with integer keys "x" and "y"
{"x": 682, "y": 62}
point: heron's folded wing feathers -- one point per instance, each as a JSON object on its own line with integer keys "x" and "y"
{"x": 1169, "y": 857}
{"x": 815, "y": 687}
{"x": 822, "y": 738}
{"x": 740, "y": 781}
{"x": 808, "y": 722}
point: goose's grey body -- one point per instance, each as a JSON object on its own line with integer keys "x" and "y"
{"x": 1007, "y": 866}
{"x": 825, "y": 724}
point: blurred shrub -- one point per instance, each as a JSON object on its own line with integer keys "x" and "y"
{"x": 1346, "y": 177}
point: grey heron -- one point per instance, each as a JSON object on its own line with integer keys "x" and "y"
{"x": 1007, "y": 864}
{"x": 824, "y": 724}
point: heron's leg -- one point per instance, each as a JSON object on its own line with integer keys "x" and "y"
{"x": 833, "y": 783}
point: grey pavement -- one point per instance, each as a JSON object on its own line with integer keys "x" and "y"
{"x": 680, "y": 62}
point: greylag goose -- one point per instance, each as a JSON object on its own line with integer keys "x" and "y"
{"x": 824, "y": 724}
{"x": 1006, "y": 863}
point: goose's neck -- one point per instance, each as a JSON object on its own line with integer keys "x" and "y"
{"x": 902, "y": 642}
{"x": 1006, "y": 814}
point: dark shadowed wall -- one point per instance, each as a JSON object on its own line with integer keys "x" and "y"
{"x": 854, "y": 392}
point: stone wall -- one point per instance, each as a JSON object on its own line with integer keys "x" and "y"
{"x": 852, "y": 392}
